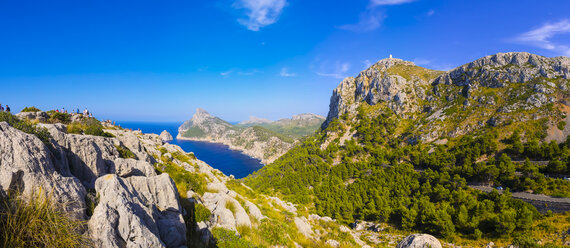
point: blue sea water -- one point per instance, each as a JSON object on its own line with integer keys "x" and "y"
{"x": 219, "y": 156}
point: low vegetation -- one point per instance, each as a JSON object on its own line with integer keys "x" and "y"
{"x": 30, "y": 109}
{"x": 87, "y": 126}
{"x": 26, "y": 127}
{"x": 124, "y": 152}
{"x": 37, "y": 222}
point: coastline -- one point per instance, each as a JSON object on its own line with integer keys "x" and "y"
{"x": 264, "y": 162}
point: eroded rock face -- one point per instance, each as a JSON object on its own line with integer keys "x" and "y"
{"x": 130, "y": 167}
{"x": 378, "y": 84}
{"x": 419, "y": 241}
{"x": 132, "y": 140}
{"x": 88, "y": 157}
{"x": 27, "y": 165}
{"x": 496, "y": 70}
{"x": 137, "y": 212}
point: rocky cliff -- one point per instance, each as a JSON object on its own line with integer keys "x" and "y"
{"x": 259, "y": 138}
{"x": 488, "y": 91}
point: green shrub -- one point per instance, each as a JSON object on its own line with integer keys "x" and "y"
{"x": 58, "y": 117}
{"x": 88, "y": 126}
{"x": 38, "y": 222}
{"x": 26, "y": 127}
{"x": 561, "y": 125}
{"x": 201, "y": 212}
{"x": 228, "y": 238}
{"x": 30, "y": 109}
{"x": 273, "y": 232}
{"x": 183, "y": 179}
{"x": 124, "y": 152}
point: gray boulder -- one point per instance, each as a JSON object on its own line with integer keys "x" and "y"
{"x": 165, "y": 136}
{"x": 130, "y": 167}
{"x": 137, "y": 212}
{"x": 419, "y": 241}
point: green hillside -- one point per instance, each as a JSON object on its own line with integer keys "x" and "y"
{"x": 409, "y": 163}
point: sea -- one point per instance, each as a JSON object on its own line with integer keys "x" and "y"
{"x": 219, "y": 156}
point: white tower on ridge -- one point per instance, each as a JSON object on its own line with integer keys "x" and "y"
{"x": 390, "y": 55}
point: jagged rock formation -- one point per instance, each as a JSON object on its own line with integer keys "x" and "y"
{"x": 492, "y": 90}
{"x": 165, "y": 136}
{"x": 136, "y": 207}
{"x": 257, "y": 138}
{"x": 137, "y": 211}
{"x": 26, "y": 165}
{"x": 419, "y": 241}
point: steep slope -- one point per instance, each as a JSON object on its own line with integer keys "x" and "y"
{"x": 401, "y": 145}
{"x": 257, "y": 138}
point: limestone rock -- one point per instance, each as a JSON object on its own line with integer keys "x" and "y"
{"x": 132, "y": 140}
{"x": 130, "y": 167}
{"x": 254, "y": 211}
{"x": 33, "y": 116}
{"x": 332, "y": 243}
{"x": 419, "y": 241}
{"x": 227, "y": 212}
{"x": 377, "y": 84}
{"x": 26, "y": 164}
{"x": 89, "y": 157}
{"x": 137, "y": 212}
{"x": 165, "y": 136}
{"x": 304, "y": 227}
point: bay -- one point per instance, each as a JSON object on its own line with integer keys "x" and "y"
{"x": 219, "y": 156}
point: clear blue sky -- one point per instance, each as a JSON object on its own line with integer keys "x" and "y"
{"x": 159, "y": 60}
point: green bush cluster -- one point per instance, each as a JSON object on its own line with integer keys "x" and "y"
{"x": 124, "y": 152}
{"x": 30, "y": 109}
{"x": 226, "y": 238}
{"x": 88, "y": 126}
{"x": 201, "y": 212}
{"x": 26, "y": 127}
{"x": 58, "y": 117}
{"x": 183, "y": 179}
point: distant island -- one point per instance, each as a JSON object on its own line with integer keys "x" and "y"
{"x": 257, "y": 137}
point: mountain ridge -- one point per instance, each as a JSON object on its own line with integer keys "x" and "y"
{"x": 257, "y": 138}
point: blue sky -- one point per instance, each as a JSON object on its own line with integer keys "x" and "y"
{"x": 159, "y": 60}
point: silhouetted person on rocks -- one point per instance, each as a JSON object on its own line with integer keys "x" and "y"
{"x": 7, "y": 108}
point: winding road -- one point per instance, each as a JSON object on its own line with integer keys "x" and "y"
{"x": 542, "y": 202}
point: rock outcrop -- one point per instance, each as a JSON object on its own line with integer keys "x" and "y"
{"x": 419, "y": 241}
{"x": 136, "y": 207}
{"x": 26, "y": 165}
{"x": 399, "y": 83}
{"x": 137, "y": 212}
{"x": 493, "y": 89}
{"x": 33, "y": 116}
{"x": 165, "y": 136}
